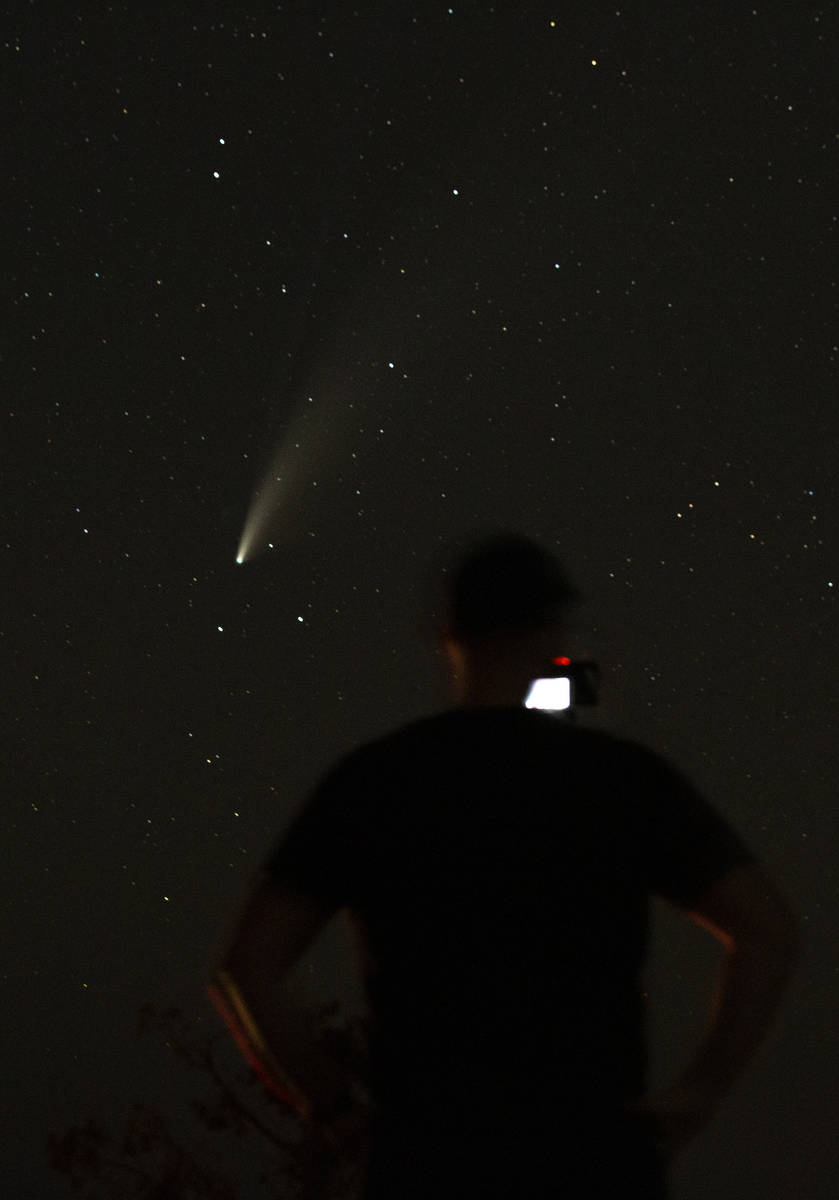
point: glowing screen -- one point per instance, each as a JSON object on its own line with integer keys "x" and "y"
{"x": 550, "y": 694}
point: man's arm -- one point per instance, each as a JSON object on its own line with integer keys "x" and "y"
{"x": 273, "y": 931}
{"x": 748, "y": 914}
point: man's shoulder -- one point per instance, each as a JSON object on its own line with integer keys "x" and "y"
{"x": 463, "y": 730}
{"x": 423, "y": 732}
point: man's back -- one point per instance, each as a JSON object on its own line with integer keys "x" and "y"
{"x": 499, "y": 863}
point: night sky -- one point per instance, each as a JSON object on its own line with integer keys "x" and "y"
{"x": 356, "y": 280}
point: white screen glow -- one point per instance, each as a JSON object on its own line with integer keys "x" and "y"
{"x": 550, "y": 694}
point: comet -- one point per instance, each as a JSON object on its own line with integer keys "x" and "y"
{"x": 302, "y": 452}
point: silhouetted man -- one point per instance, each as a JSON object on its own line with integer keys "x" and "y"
{"x": 499, "y": 865}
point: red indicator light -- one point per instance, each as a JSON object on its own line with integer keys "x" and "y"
{"x": 562, "y": 661}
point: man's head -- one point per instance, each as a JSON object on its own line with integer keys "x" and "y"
{"x": 506, "y": 600}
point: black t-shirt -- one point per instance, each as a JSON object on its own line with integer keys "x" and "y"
{"x": 500, "y": 864}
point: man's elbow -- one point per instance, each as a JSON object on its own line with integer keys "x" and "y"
{"x": 750, "y": 914}
{"x": 774, "y": 950}
{"x": 236, "y": 970}
{"x": 777, "y": 924}
{"x": 789, "y": 934}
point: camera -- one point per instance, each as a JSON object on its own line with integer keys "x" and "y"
{"x": 564, "y": 685}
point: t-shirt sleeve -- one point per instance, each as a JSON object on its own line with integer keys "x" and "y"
{"x": 687, "y": 844}
{"x": 317, "y": 854}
